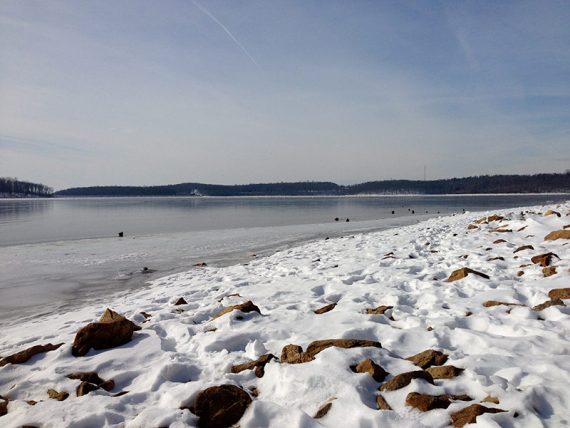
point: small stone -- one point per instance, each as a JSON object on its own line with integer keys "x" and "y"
{"x": 557, "y": 234}
{"x": 444, "y": 372}
{"x": 244, "y": 307}
{"x": 221, "y": 406}
{"x": 463, "y": 272}
{"x": 469, "y": 414}
{"x": 520, "y": 273}
{"x": 428, "y": 358}
{"x": 85, "y": 388}
{"x": 379, "y": 310}
{"x": 559, "y": 293}
{"x": 323, "y": 410}
{"x": 381, "y": 403}
{"x": 26, "y": 354}
{"x": 472, "y": 226}
{"x": 499, "y": 241}
{"x": 370, "y": 367}
{"x": 548, "y": 304}
{"x": 325, "y": 309}
{"x": 59, "y": 396}
{"x": 523, "y": 248}
{"x": 543, "y": 260}
{"x": 404, "y": 379}
{"x": 181, "y": 301}
{"x": 201, "y": 264}
{"x": 549, "y": 271}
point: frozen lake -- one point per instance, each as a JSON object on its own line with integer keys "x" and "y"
{"x": 57, "y": 253}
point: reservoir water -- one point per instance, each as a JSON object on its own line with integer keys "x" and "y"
{"x": 56, "y": 253}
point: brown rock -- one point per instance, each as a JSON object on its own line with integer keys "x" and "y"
{"x": 501, "y": 229}
{"x": 491, "y": 303}
{"x": 428, "y": 358}
{"x": 522, "y": 228}
{"x": 472, "y": 226}
{"x": 496, "y": 258}
{"x": 499, "y": 241}
{"x": 325, "y": 309}
{"x": 490, "y": 399}
{"x": 221, "y": 406}
{"x": 3, "y": 406}
{"x": 59, "y": 396}
{"x": 520, "y": 273}
{"x": 85, "y": 388}
{"x": 495, "y": 217}
{"x": 404, "y": 379}
{"x": 544, "y": 259}
{"x": 549, "y": 271}
{"x": 293, "y": 354}
{"x": 244, "y": 307}
{"x": 463, "y": 272}
{"x": 551, "y": 212}
{"x": 444, "y": 372}
{"x": 567, "y": 226}
{"x": 110, "y": 331}
{"x": 557, "y": 234}
{"x": 370, "y": 367}
{"x": 108, "y": 385}
{"x": 425, "y": 402}
{"x": 181, "y": 301}
{"x": 257, "y": 365}
{"x": 548, "y": 304}
{"x": 524, "y": 247}
{"x": 559, "y": 293}
{"x": 26, "y": 354}
{"x": 201, "y": 264}
{"x": 320, "y": 345}
{"x": 323, "y": 410}
{"x": 469, "y": 414}
{"x": 381, "y": 403}
{"x": 91, "y": 377}
{"x": 379, "y": 310}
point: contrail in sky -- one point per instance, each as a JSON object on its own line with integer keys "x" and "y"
{"x": 228, "y": 32}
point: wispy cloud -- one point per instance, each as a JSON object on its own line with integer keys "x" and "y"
{"x": 42, "y": 147}
{"x": 227, "y": 31}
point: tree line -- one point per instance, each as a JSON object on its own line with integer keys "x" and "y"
{"x": 12, "y": 187}
{"x": 538, "y": 183}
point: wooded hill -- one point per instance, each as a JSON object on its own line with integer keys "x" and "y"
{"x": 538, "y": 183}
{"x": 14, "y": 188}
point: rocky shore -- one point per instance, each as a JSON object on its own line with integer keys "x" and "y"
{"x": 453, "y": 321}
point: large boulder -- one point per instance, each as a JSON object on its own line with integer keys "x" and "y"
{"x": 557, "y": 234}
{"x": 404, "y": 379}
{"x": 469, "y": 414}
{"x": 221, "y": 406}
{"x": 110, "y": 331}
{"x": 428, "y": 358}
{"x": 463, "y": 272}
{"x": 26, "y": 354}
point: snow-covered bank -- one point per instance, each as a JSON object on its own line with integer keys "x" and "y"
{"x": 517, "y": 355}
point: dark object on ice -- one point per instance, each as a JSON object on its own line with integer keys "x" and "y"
{"x": 147, "y": 270}
{"x": 201, "y": 264}
{"x": 26, "y": 354}
{"x": 336, "y": 219}
{"x": 393, "y": 212}
{"x": 120, "y": 234}
{"x": 428, "y": 358}
{"x": 413, "y": 212}
{"x": 347, "y": 220}
{"x": 221, "y": 406}
{"x": 469, "y": 414}
{"x": 110, "y": 331}
{"x": 181, "y": 301}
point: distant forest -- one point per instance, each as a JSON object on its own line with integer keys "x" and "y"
{"x": 14, "y": 188}
{"x": 539, "y": 183}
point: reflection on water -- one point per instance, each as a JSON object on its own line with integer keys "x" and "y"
{"x": 48, "y": 220}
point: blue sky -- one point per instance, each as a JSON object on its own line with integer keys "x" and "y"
{"x": 156, "y": 92}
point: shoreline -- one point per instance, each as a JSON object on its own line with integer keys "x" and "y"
{"x": 516, "y": 354}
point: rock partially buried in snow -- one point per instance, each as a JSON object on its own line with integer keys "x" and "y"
{"x": 425, "y": 402}
{"x": 370, "y": 367}
{"x": 548, "y": 304}
{"x": 244, "y": 307}
{"x": 469, "y": 414}
{"x": 221, "y": 406}
{"x": 491, "y": 303}
{"x": 428, "y": 358}
{"x": 180, "y": 301}
{"x": 257, "y": 365}
{"x": 522, "y": 248}
{"x": 543, "y": 259}
{"x": 323, "y": 410}
{"x": 444, "y": 372}
{"x": 559, "y": 293}
{"x": 55, "y": 395}
{"x": 463, "y": 272}
{"x": 549, "y": 271}
{"x": 552, "y": 212}
{"x": 381, "y": 403}
{"x": 499, "y": 241}
{"x": 379, "y": 310}
{"x": 557, "y": 234}
{"x": 293, "y": 354}
{"x": 26, "y": 354}
{"x": 110, "y": 331}
{"x": 325, "y": 309}
{"x": 404, "y": 379}
{"x": 3, "y": 406}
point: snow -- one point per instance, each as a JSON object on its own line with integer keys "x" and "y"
{"x": 516, "y": 354}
